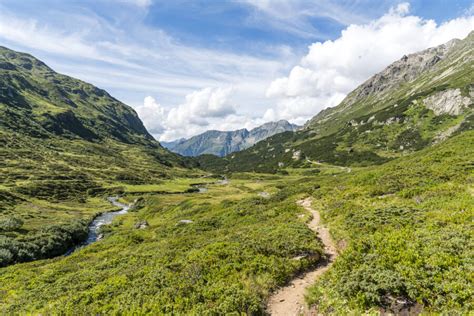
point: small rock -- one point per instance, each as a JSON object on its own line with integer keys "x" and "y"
{"x": 141, "y": 225}
{"x": 296, "y": 155}
{"x": 264, "y": 194}
{"x": 185, "y": 221}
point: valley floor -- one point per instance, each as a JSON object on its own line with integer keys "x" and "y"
{"x": 405, "y": 227}
{"x": 219, "y": 251}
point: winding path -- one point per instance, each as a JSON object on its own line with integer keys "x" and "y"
{"x": 289, "y": 300}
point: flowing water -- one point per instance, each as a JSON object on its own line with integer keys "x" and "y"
{"x": 103, "y": 219}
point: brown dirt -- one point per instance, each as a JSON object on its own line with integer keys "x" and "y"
{"x": 289, "y": 300}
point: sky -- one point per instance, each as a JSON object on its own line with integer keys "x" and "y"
{"x": 190, "y": 66}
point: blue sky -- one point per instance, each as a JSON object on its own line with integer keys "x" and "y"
{"x": 225, "y": 64}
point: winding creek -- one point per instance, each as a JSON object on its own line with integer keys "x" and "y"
{"x": 105, "y": 218}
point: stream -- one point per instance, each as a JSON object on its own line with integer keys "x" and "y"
{"x": 106, "y": 218}
{"x": 103, "y": 219}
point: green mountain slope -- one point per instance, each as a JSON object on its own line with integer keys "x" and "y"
{"x": 417, "y": 101}
{"x": 39, "y": 102}
{"x": 404, "y": 230}
{"x": 221, "y": 143}
{"x": 63, "y": 143}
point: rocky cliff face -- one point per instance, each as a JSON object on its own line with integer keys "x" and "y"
{"x": 221, "y": 143}
{"x": 429, "y": 67}
{"x": 450, "y": 102}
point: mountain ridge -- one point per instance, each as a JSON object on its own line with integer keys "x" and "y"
{"x": 406, "y": 69}
{"x": 222, "y": 143}
{"x": 42, "y": 102}
{"x": 395, "y": 112}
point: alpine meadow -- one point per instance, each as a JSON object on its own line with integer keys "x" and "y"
{"x": 246, "y": 185}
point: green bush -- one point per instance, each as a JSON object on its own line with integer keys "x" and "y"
{"x": 10, "y": 224}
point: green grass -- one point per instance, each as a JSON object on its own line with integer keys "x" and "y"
{"x": 407, "y": 227}
{"x": 236, "y": 250}
{"x": 404, "y": 229}
{"x": 177, "y": 185}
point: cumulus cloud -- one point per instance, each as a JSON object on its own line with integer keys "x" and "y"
{"x": 333, "y": 68}
{"x": 208, "y": 108}
{"x": 153, "y": 115}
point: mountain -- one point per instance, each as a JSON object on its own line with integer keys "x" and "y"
{"x": 402, "y": 225}
{"x": 63, "y": 143}
{"x": 39, "y": 102}
{"x": 221, "y": 143}
{"x": 418, "y": 101}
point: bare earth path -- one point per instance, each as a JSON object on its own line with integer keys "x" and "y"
{"x": 289, "y": 300}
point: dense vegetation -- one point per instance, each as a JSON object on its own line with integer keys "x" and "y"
{"x": 404, "y": 230}
{"x": 64, "y": 145}
{"x": 205, "y": 253}
{"x": 408, "y": 228}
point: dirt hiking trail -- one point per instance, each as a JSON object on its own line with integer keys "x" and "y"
{"x": 289, "y": 300}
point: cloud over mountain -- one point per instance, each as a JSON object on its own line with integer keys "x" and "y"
{"x": 332, "y": 68}
{"x": 208, "y": 108}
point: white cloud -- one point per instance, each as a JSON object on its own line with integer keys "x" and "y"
{"x": 331, "y": 69}
{"x": 153, "y": 115}
{"x": 401, "y": 9}
{"x": 294, "y": 16}
{"x": 299, "y": 108}
{"x": 131, "y": 59}
{"x": 469, "y": 11}
{"x": 208, "y": 108}
{"x": 139, "y": 3}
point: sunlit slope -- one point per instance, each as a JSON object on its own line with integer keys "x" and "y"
{"x": 64, "y": 144}
{"x": 416, "y": 102}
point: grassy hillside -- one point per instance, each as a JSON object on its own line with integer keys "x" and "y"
{"x": 406, "y": 233}
{"x": 39, "y": 102}
{"x": 404, "y": 230}
{"x": 232, "y": 249}
{"x": 378, "y": 121}
{"x": 65, "y": 144}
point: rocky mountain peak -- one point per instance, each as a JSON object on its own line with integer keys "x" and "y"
{"x": 368, "y": 96}
{"x": 405, "y": 69}
{"x": 221, "y": 143}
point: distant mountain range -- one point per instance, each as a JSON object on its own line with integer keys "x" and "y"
{"x": 222, "y": 143}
